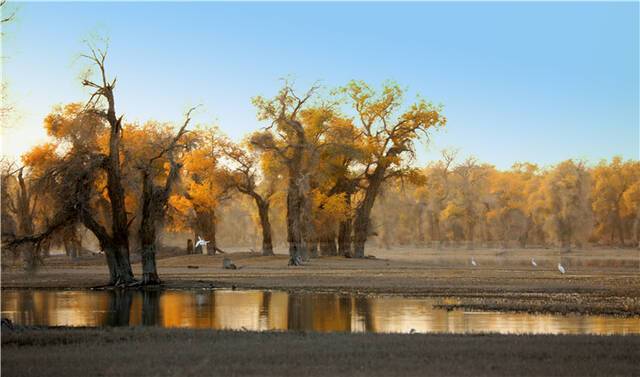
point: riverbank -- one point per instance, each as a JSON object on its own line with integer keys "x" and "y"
{"x": 180, "y": 352}
{"x": 597, "y": 281}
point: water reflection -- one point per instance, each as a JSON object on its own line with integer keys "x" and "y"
{"x": 274, "y": 310}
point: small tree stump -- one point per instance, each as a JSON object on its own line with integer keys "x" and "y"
{"x": 189, "y": 246}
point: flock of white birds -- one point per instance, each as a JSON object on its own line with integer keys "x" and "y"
{"x": 561, "y": 268}
{"x": 533, "y": 263}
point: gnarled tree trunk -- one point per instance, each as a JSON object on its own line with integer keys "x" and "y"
{"x": 263, "y": 212}
{"x": 363, "y": 212}
{"x": 295, "y": 208}
{"x": 147, "y": 232}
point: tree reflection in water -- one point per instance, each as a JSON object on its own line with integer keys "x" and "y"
{"x": 119, "y": 307}
{"x": 277, "y": 310}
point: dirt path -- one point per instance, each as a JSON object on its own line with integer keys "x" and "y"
{"x": 177, "y": 352}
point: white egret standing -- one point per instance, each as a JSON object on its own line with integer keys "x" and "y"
{"x": 533, "y": 262}
{"x": 201, "y": 242}
{"x": 561, "y": 269}
{"x": 473, "y": 262}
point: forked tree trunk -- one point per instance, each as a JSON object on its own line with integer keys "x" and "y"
{"x": 119, "y": 266}
{"x": 154, "y": 200}
{"x": 120, "y": 238}
{"x": 296, "y": 197}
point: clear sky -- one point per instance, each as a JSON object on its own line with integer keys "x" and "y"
{"x": 537, "y": 82}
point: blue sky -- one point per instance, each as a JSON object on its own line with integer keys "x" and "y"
{"x": 537, "y": 82}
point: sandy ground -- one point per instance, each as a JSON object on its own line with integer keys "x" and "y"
{"x": 597, "y": 280}
{"x": 178, "y": 352}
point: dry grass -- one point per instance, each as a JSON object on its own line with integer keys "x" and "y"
{"x": 174, "y": 352}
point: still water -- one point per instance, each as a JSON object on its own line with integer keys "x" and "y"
{"x": 276, "y": 310}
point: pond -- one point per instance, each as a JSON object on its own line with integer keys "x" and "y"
{"x": 262, "y": 310}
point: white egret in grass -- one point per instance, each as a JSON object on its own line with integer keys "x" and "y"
{"x": 473, "y": 262}
{"x": 561, "y": 268}
{"x": 533, "y": 262}
{"x": 201, "y": 242}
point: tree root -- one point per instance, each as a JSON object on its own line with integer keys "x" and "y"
{"x": 134, "y": 284}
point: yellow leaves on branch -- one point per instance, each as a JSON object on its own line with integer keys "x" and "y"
{"x": 61, "y": 122}
{"x": 40, "y": 156}
{"x": 72, "y": 124}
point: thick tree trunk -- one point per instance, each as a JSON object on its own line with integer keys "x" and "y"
{"x": 117, "y": 245}
{"x": 296, "y": 197}
{"x": 120, "y": 229}
{"x": 263, "y": 212}
{"x": 363, "y": 212}
{"x": 26, "y": 226}
{"x": 294, "y": 221}
{"x": 119, "y": 267}
{"x": 147, "y": 231}
{"x": 344, "y": 237}
{"x": 149, "y": 269}
{"x": 328, "y": 244}
{"x": 125, "y": 273}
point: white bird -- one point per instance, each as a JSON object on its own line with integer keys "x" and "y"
{"x": 201, "y": 242}
{"x": 473, "y": 262}
{"x": 561, "y": 269}
{"x": 533, "y": 262}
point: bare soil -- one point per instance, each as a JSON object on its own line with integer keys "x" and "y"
{"x": 179, "y": 352}
{"x": 598, "y": 281}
